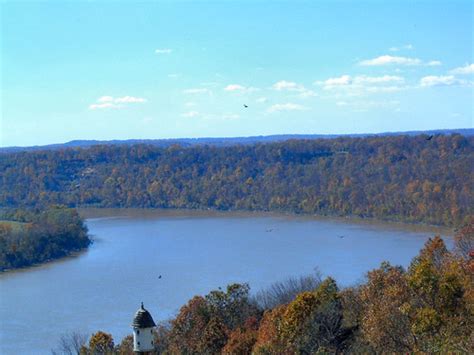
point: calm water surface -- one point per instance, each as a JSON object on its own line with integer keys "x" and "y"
{"x": 194, "y": 252}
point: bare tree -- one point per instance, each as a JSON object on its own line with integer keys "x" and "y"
{"x": 70, "y": 344}
{"x": 285, "y": 291}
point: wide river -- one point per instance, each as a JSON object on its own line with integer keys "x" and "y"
{"x": 194, "y": 252}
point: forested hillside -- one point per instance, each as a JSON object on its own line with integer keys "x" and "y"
{"x": 416, "y": 179}
{"x": 29, "y": 237}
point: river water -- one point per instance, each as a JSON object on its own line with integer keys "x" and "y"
{"x": 194, "y": 252}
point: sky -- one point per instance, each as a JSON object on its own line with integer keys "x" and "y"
{"x": 172, "y": 69}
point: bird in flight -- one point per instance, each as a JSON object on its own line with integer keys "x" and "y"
{"x": 245, "y": 106}
{"x": 159, "y": 277}
{"x": 429, "y": 138}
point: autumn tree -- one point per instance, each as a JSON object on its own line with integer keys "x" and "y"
{"x": 101, "y": 343}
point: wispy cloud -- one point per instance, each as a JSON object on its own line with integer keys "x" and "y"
{"x": 286, "y": 107}
{"x": 110, "y": 102}
{"x": 363, "y": 83}
{"x": 443, "y": 80}
{"x": 129, "y": 99}
{"x": 291, "y": 86}
{"x": 336, "y": 82}
{"x": 237, "y": 88}
{"x": 391, "y": 60}
{"x": 190, "y": 114}
{"x": 467, "y": 69}
{"x": 194, "y": 91}
{"x": 261, "y": 100}
{"x": 287, "y": 85}
{"x": 433, "y": 63}
{"x": 400, "y": 48}
{"x": 163, "y": 51}
{"x": 174, "y": 75}
{"x": 234, "y": 87}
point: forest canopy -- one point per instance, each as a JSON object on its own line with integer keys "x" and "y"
{"x": 412, "y": 179}
{"x": 29, "y": 237}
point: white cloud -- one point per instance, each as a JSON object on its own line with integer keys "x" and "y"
{"x": 103, "y": 106}
{"x": 234, "y": 87}
{"x": 190, "y": 104}
{"x": 174, "y": 75}
{"x": 284, "y": 85}
{"x": 287, "y": 85}
{"x": 190, "y": 114}
{"x": 237, "y": 88}
{"x": 362, "y": 79}
{"x": 406, "y": 46}
{"x": 307, "y": 93}
{"x": 433, "y": 63}
{"x": 467, "y": 69}
{"x": 443, "y": 80}
{"x": 196, "y": 91}
{"x": 381, "y": 89}
{"x": 286, "y": 107}
{"x": 362, "y": 83}
{"x": 163, "y": 51}
{"x": 389, "y": 60}
{"x": 261, "y": 100}
{"x": 105, "y": 102}
{"x": 129, "y": 99}
{"x": 342, "y": 80}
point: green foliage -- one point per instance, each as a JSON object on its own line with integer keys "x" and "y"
{"x": 40, "y": 236}
{"x": 402, "y": 178}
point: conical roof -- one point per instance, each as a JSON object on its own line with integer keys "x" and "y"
{"x": 143, "y": 319}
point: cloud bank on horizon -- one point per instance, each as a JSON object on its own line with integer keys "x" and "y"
{"x": 168, "y": 72}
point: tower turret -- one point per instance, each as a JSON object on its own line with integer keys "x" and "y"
{"x": 143, "y": 325}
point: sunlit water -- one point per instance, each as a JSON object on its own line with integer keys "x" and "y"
{"x": 194, "y": 252}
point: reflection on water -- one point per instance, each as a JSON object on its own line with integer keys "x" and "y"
{"x": 194, "y": 252}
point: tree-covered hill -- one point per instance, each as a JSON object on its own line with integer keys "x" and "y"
{"x": 410, "y": 178}
{"x": 29, "y": 237}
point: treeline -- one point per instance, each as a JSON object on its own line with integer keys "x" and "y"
{"x": 414, "y": 179}
{"x": 29, "y": 237}
{"x": 426, "y": 309}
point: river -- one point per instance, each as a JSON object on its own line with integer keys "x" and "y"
{"x": 194, "y": 252}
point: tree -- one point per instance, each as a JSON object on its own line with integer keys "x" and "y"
{"x": 101, "y": 343}
{"x": 386, "y": 301}
{"x": 242, "y": 340}
{"x": 70, "y": 344}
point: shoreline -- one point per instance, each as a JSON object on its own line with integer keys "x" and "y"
{"x": 70, "y": 255}
{"x": 91, "y": 213}
{"x": 129, "y": 212}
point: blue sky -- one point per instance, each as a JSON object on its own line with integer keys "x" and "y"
{"x": 120, "y": 70}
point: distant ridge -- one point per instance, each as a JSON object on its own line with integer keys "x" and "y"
{"x": 224, "y": 141}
